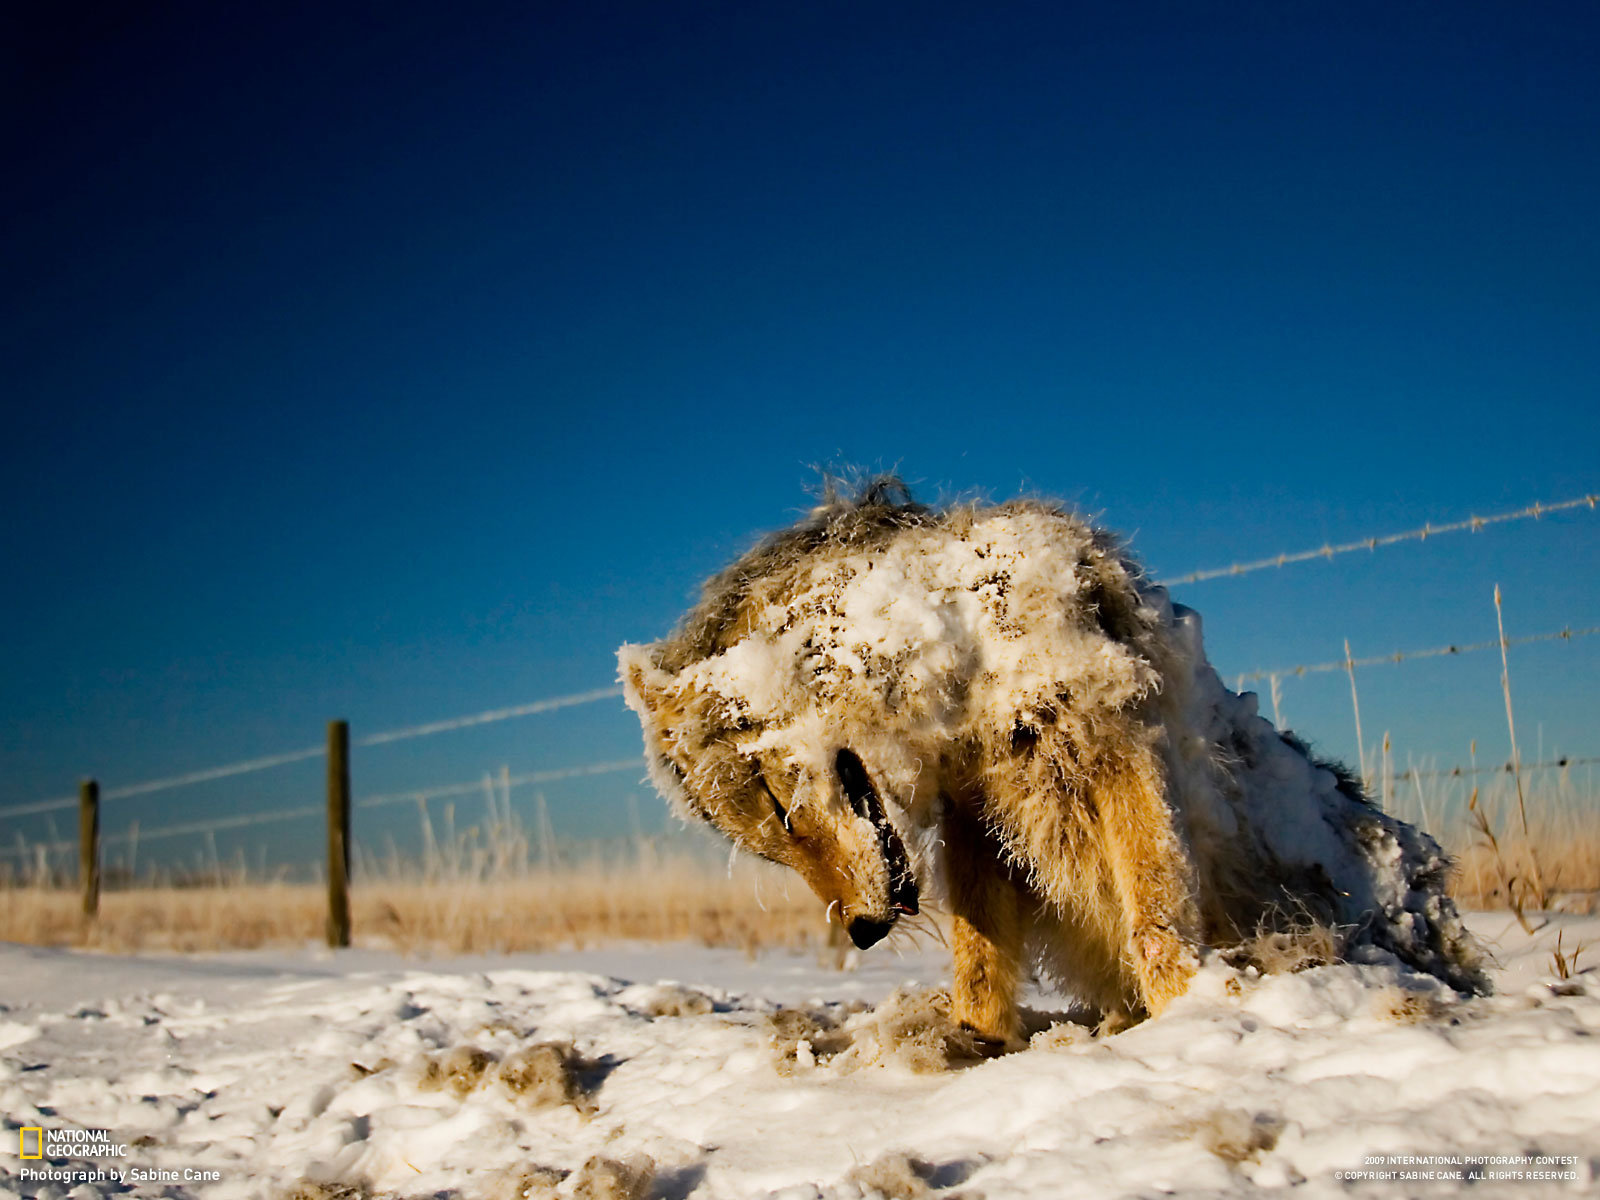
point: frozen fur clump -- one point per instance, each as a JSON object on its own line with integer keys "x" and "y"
{"x": 993, "y": 706}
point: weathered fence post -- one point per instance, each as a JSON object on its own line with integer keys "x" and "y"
{"x": 338, "y": 833}
{"x": 89, "y": 847}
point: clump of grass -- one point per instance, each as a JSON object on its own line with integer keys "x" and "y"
{"x": 1566, "y": 964}
{"x": 1296, "y": 947}
{"x": 1510, "y": 885}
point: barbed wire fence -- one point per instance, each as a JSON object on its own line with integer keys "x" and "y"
{"x": 1473, "y": 524}
{"x": 40, "y": 852}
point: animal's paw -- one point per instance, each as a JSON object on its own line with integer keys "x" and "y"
{"x": 1165, "y": 963}
{"x": 990, "y": 1045}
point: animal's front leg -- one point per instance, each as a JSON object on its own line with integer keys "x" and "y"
{"x": 986, "y": 934}
{"x": 1152, "y": 874}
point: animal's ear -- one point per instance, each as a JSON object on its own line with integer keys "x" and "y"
{"x": 671, "y": 723}
{"x": 636, "y": 667}
{"x": 650, "y": 691}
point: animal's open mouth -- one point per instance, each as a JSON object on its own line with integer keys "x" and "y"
{"x": 864, "y": 801}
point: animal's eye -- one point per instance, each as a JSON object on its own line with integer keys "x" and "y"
{"x": 777, "y": 807}
{"x": 853, "y": 778}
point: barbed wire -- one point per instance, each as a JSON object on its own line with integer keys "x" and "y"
{"x": 494, "y": 714}
{"x": 289, "y": 814}
{"x": 245, "y": 766}
{"x": 465, "y": 789}
{"x": 1377, "y": 660}
{"x": 1505, "y": 768}
{"x": 1533, "y": 511}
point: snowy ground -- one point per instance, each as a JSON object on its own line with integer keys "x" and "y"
{"x": 580, "y": 1074}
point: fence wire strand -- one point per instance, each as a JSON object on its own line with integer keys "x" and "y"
{"x": 1328, "y": 550}
{"x": 476, "y": 786}
{"x": 1399, "y": 656}
{"x": 1505, "y": 768}
{"x": 485, "y": 718}
{"x": 288, "y": 814}
{"x": 245, "y": 766}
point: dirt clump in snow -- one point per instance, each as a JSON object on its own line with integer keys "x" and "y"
{"x": 459, "y": 1070}
{"x": 602, "y": 1178}
{"x": 912, "y": 1029}
{"x": 527, "y": 1183}
{"x": 1237, "y": 1136}
{"x": 308, "y": 1189}
{"x": 1409, "y": 1006}
{"x": 892, "y": 1176}
{"x": 541, "y": 1075}
{"x": 670, "y": 1000}
{"x": 546, "y": 1074}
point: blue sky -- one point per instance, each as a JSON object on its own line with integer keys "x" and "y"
{"x": 394, "y": 362}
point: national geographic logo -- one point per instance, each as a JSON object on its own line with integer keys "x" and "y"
{"x": 36, "y": 1143}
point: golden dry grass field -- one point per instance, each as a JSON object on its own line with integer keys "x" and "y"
{"x": 751, "y": 907}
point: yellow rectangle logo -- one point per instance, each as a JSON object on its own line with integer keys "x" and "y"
{"x": 38, "y": 1142}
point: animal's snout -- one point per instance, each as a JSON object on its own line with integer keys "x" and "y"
{"x": 864, "y": 931}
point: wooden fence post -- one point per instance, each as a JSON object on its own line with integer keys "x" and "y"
{"x": 338, "y": 833}
{"x": 89, "y": 847}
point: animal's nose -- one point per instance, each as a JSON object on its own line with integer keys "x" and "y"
{"x": 864, "y": 931}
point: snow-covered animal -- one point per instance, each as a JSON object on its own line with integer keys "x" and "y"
{"x": 992, "y": 704}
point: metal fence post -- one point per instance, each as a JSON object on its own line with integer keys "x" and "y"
{"x": 338, "y": 833}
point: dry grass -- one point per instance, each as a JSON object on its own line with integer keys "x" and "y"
{"x": 1486, "y": 880}
{"x": 1497, "y": 867}
{"x": 486, "y": 892}
{"x": 750, "y": 908}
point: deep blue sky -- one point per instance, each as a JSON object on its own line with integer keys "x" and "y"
{"x": 391, "y": 362}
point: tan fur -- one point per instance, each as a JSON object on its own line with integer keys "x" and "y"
{"x": 992, "y": 701}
